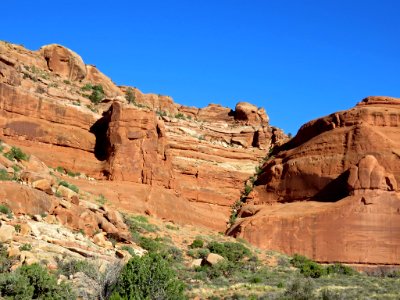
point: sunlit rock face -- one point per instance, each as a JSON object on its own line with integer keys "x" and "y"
{"x": 331, "y": 192}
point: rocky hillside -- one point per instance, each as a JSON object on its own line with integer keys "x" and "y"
{"x": 331, "y": 192}
{"x": 150, "y": 154}
{"x": 59, "y": 241}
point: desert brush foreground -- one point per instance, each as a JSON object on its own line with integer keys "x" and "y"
{"x": 109, "y": 193}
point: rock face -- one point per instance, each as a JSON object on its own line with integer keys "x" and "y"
{"x": 250, "y": 114}
{"x": 137, "y": 144}
{"x": 370, "y": 175}
{"x": 64, "y": 62}
{"x": 331, "y": 192}
{"x": 196, "y": 159}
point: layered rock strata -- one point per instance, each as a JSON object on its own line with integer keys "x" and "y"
{"x": 200, "y": 156}
{"x": 331, "y": 192}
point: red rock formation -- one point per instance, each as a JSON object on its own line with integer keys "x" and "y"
{"x": 64, "y": 62}
{"x": 94, "y": 76}
{"x": 137, "y": 144}
{"x": 199, "y": 158}
{"x": 346, "y": 167}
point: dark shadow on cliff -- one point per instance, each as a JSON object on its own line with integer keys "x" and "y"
{"x": 99, "y": 129}
{"x": 334, "y": 190}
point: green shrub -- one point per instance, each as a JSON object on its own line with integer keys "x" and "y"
{"x": 70, "y": 267}
{"x": 16, "y": 153}
{"x": 256, "y": 279}
{"x": 203, "y": 252}
{"x": 70, "y": 186}
{"x": 313, "y": 270}
{"x": 5, "y": 261}
{"x": 139, "y": 224}
{"x": 161, "y": 113}
{"x": 172, "y": 254}
{"x": 4, "y": 209}
{"x": 308, "y": 267}
{"x": 150, "y": 244}
{"x": 130, "y": 96}
{"x": 25, "y": 247}
{"x": 258, "y": 171}
{"x": 17, "y": 228}
{"x": 327, "y": 294}
{"x": 198, "y": 252}
{"x": 97, "y": 94}
{"x": 171, "y": 227}
{"x": 180, "y": 116}
{"x": 197, "y": 243}
{"x": 129, "y": 249}
{"x": 192, "y": 253}
{"x": 234, "y": 252}
{"x": 148, "y": 277}
{"x": 223, "y": 268}
{"x": 340, "y": 269}
{"x": 33, "y": 282}
{"x": 15, "y": 286}
{"x": 87, "y": 87}
{"x": 247, "y": 189}
{"x": 101, "y": 199}
{"x": 16, "y": 168}
{"x": 60, "y": 170}
{"x": 4, "y": 176}
{"x": 73, "y": 174}
{"x": 300, "y": 289}
{"x": 67, "y": 81}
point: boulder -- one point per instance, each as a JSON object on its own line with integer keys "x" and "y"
{"x": 13, "y": 251}
{"x": 66, "y": 192}
{"x": 115, "y": 218}
{"x": 25, "y": 229}
{"x": 250, "y": 114}
{"x": 196, "y": 263}
{"x": 64, "y": 62}
{"x": 7, "y": 233}
{"x": 43, "y": 185}
{"x": 100, "y": 240}
{"x": 24, "y": 200}
{"x": 213, "y": 259}
{"x": 50, "y": 219}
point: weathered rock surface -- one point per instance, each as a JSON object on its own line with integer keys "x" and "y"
{"x": 199, "y": 156}
{"x": 64, "y": 62}
{"x": 6, "y": 233}
{"x": 344, "y": 169}
{"x": 213, "y": 259}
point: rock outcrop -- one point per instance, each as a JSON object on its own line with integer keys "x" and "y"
{"x": 64, "y": 62}
{"x": 331, "y": 192}
{"x": 199, "y": 156}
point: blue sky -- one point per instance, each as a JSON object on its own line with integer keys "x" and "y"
{"x": 298, "y": 59}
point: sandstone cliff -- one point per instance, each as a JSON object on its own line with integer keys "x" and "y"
{"x": 147, "y": 153}
{"x": 331, "y": 192}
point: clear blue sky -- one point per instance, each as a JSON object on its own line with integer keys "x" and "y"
{"x": 299, "y": 59}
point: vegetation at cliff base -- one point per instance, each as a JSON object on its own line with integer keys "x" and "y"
{"x": 148, "y": 277}
{"x": 16, "y": 153}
